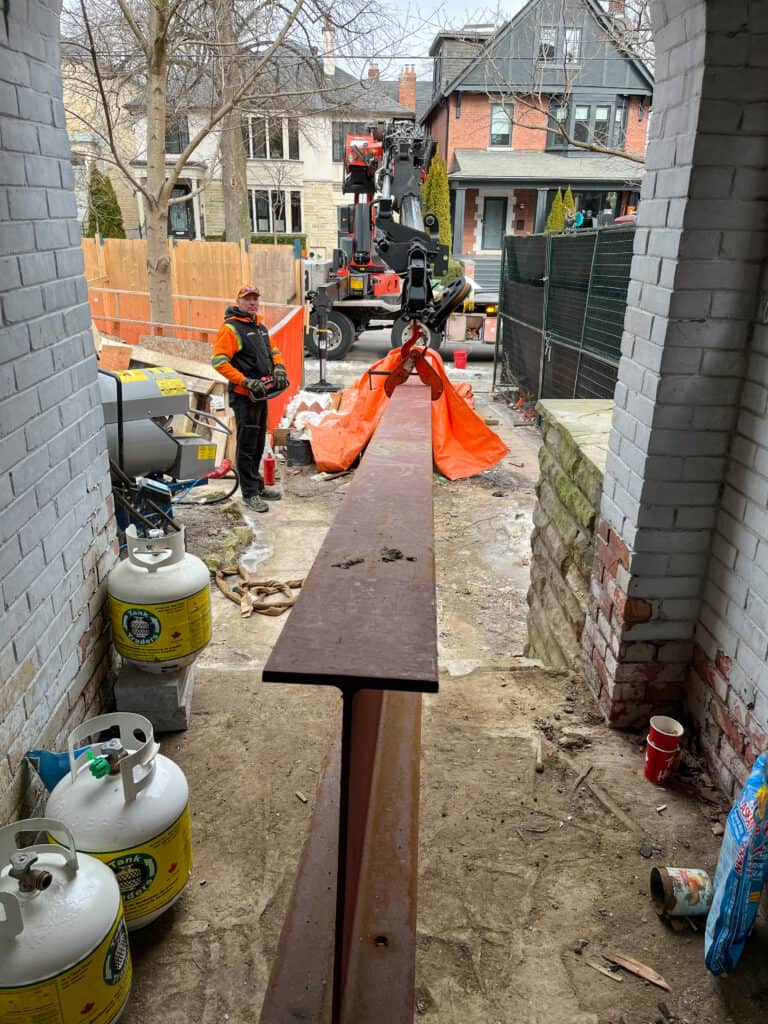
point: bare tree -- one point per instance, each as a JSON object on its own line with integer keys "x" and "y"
{"x": 535, "y": 80}
{"x": 165, "y": 49}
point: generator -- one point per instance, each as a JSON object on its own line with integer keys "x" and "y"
{"x": 150, "y": 461}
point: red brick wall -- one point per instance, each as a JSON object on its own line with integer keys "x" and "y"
{"x": 473, "y": 129}
{"x": 636, "y": 130}
{"x": 528, "y": 197}
{"x": 526, "y": 131}
{"x": 438, "y": 129}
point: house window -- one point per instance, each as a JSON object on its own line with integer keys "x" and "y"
{"x": 176, "y": 134}
{"x": 263, "y": 138}
{"x": 558, "y": 110}
{"x": 275, "y": 139}
{"x": 340, "y": 131}
{"x": 293, "y": 139}
{"x": 458, "y": 105}
{"x": 581, "y": 123}
{"x": 548, "y": 44}
{"x": 602, "y": 125}
{"x": 278, "y": 212}
{"x": 572, "y": 48}
{"x": 258, "y": 205}
{"x": 296, "y": 212}
{"x": 501, "y": 126}
{"x": 620, "y": 124}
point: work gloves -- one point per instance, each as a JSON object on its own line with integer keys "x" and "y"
{"x": 281, "y": 377}
{"x": 256, "y": 390}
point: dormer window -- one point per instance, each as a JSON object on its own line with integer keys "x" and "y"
{"x": 572, "y": 48}
{"x": 176, "y": 134}
{"x": 548, "y": 44}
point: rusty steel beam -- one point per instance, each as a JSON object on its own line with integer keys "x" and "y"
{"x": 366, "y": 622}
{"x": 377, "y": 975}
{"x": 300, "y": 985}
{"x": 366, "y": 614}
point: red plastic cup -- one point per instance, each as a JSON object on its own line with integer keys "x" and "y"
{"x": 658, "y": 763}
{"x": 665, "y": 733}
{"x": 460, "y": 359}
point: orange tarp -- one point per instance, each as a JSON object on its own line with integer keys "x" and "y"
{"x": 462, "y": 444}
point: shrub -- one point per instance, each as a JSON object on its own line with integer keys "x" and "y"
{"x": 104, "y": 214}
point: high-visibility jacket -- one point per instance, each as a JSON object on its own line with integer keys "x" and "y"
{"x": 243, "y": 349}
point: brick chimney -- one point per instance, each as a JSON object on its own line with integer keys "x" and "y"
{"x": 406, "y": 91}
{"x": 373, "y": 72}
{"x": 616, "y": 8}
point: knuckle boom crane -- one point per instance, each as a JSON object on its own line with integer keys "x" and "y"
{"x": 389, "y": 250}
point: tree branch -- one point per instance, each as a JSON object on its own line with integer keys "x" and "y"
{"x": 141, "y": 39}
{"x": 233, "y": 101}
{"x": 107, "y": 115}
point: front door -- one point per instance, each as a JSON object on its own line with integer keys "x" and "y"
{"x": 181, "y": 223}
{"x": 494, "y": 221}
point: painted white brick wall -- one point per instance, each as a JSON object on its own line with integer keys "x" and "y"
{"x": 56, "y": 524}
{"x": 695, "y": 279}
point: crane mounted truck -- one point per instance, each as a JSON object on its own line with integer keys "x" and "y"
{"x": 389, "y": 250}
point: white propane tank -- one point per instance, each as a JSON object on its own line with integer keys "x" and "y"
{"x": 64, "y": 955}
{"x": 128, "y": 805}
{"x": 159, "y": 603}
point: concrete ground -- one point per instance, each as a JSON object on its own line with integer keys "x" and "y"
{"x": 523, "y": 877}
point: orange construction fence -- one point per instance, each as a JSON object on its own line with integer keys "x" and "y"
{"x": 126, "y": 315}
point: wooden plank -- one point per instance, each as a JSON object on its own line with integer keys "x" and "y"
{"x": 154, "y": 357}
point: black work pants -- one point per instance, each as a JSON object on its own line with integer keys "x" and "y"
{"x": 251, "y": 420}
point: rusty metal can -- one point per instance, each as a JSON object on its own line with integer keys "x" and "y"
{"x": 681, "y": 892}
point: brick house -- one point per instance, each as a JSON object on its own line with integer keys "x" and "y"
{"x": 497, "y": 95}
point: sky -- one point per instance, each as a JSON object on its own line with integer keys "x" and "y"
{"x": 420, "y": 23}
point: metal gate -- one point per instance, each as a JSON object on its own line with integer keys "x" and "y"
{"x": 561, "y": 305}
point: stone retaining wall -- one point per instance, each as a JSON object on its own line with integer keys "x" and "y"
{"x": 572, "y": 463}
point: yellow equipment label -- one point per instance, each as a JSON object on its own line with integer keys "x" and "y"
{"x": 206, "y": 451}
{"x": 161, "y": 632}
{"x": 153, "y": 874}
{"x": 129, "y": 375}
{"x": 91, "y": 992}
{"x": 171, "y": 385}
{"x": 159, "y": 369}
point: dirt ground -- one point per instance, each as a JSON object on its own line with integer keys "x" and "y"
{"x": 524, "y": 877}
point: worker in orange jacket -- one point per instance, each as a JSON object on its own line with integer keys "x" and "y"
{"x": 244, "y": 353}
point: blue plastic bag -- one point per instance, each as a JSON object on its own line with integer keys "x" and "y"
{"x": 742, "y": 871}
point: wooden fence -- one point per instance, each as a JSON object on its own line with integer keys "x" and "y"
{"x": 212, "y": 269}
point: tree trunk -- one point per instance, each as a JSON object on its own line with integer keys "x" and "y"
{"x": 158, "y": 263}
{"x": 233, "y": 155}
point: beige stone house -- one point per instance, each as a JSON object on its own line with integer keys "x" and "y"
{"x": 294, "y": 154}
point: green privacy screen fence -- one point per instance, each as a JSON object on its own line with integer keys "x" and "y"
{"x": 561, "y": 304}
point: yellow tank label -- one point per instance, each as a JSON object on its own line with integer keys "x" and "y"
{"x": 159, "y": 369}
{"x": 161, "y": 632}
{"x": 171, "y": 385}
{"x": 153, "y": 874}
{"x": 206, "y": 451}
{"x": 91, "y": 992}
{"x": 129, "y": 375}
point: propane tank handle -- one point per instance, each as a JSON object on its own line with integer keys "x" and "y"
{"x": 129, "y": 724}
{"x": 137, "y": 546}
{"x": 9, "y": 840}
{"x": 12, "y": 923}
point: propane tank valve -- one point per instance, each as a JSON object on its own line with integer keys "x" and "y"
{"x": 30, "y": 878}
